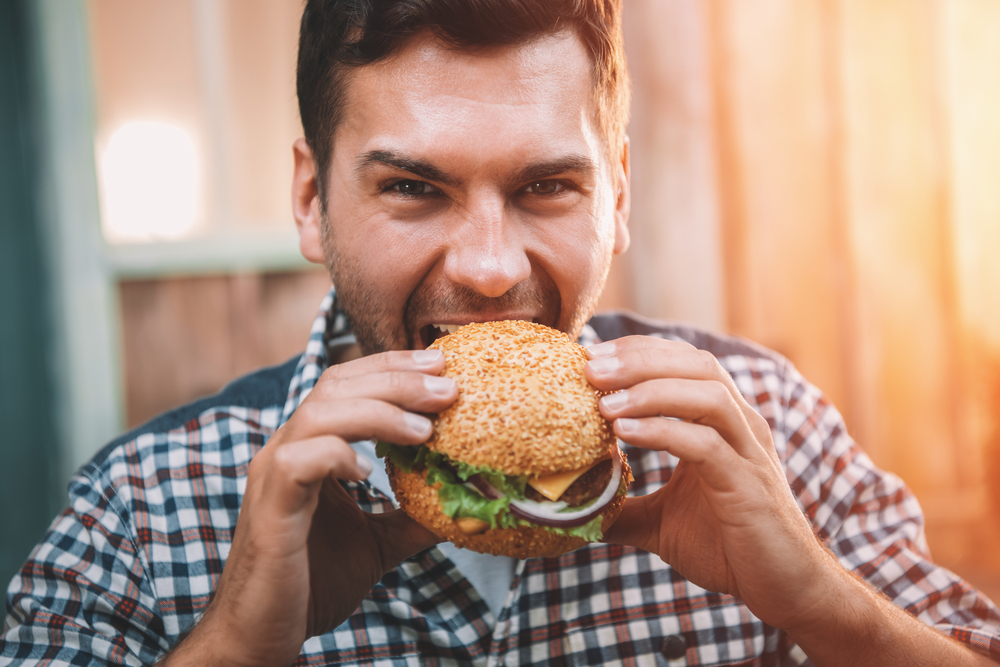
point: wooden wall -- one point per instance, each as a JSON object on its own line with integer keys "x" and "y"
{"x": 186, "y": 337}
{"x": 833, "y": 166}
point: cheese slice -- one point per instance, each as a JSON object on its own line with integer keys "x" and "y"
{"x": 554, "y": 485}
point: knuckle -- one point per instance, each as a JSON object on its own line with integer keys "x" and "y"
{"x": 708, "y": 361}
{"x": 757, "y": 421}
{"x": 646, "y": 356}
{"x": 331, "y": 374}
{"x": 307, "y": 414}
{"x": 325, "y": 390}
{"x": 721, "y": 395}
{"x": 683, "y": 346}
{"x": 345, "y": 458}
{"x": 284, "y": 462}
{"x": 255, "y": 466}
{"x": 387, "y": 361}
{"x": 715, "y": 443}
{"x": 397, "y": 382}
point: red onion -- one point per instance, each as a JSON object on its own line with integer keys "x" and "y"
{"x": 484, "y": 487}
{"x": 548, "y": 513}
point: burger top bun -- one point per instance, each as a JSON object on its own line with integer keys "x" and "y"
{"x": 524, "y": 406}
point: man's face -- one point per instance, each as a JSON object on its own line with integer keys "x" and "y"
{"x": 466, "y": 187}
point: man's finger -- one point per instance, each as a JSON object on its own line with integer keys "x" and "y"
{"x": 704, "y": 402}
{"x": 417, "y": 392}
{"x": 292, "y": 472}
{"x": 421, "y": 361}
{"x": 357, "y": 419}
{"x": 717, "y": 462}
{"x": 629, "y": 361}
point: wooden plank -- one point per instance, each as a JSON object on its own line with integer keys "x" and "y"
{"x": 899, "y": 229}
{"x": 676, "y": 257}
{"x": 183, "y": 338}
{"x": 969, "y": 536}
{"x": 973, "y": 61}
{"x": 785, "y": 253}
{"x": 261, "y": 41}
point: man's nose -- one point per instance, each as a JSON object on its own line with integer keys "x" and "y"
{"x": 487, "y": 252}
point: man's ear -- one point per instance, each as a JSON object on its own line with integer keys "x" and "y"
{"x": 623, "y": 201}
{"x": 306, "y": 204}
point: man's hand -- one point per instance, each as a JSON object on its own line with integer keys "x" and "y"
{"x": 727, "y": 520}
{"x": 304, "y": 555}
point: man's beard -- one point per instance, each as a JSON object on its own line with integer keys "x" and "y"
{"x": 377, "y": 327}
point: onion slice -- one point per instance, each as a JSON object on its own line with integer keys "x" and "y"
{"x": 484, "y": 487}
{"x": 548, "y": 513}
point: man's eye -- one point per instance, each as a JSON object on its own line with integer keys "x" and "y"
{"x": 413, "y": 188}
{"x": 545, "y": 188}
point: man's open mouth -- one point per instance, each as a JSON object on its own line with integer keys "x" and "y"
{"x": 432, "y": 332}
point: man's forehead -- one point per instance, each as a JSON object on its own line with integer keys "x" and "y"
{"x": 426, "y": 55}
{"x": 543, "y": 88}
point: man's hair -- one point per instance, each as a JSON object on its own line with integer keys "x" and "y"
{"x": 338, "y": 35}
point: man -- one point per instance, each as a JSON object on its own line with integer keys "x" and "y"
{"x": 466, "y": 161}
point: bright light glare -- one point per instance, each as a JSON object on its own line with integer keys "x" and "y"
{"x": 150, "y": 178}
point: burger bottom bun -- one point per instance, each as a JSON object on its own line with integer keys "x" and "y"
{"x": 420, "y": 501}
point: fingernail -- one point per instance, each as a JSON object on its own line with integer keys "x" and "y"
{"x": 626, "y": 426}
{"x": 604, "y": 365}
{"x": 420, "y": 425}
{"x": 427, "y": 357}
{"x": 601, "y": 349}
{"x": 364, "y": 465}
{"x": 616, "y": 401}
{"x": 440, "y": 386}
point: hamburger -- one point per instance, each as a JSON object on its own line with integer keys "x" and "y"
{"x": 522, "y": 464}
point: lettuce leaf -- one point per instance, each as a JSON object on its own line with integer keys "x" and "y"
{"x": 458, "y": 500}
{"x": 505, "y": 484}
{"x": 404, "y": 458}
{"x": 590, "y": 531}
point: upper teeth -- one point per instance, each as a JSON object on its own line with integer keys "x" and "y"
{"x": 448, "y": 328}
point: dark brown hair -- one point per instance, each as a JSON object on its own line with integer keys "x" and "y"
{"x": 338, "y": 35}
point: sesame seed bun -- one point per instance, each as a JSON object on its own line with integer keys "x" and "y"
{"x": 524, "y": 408}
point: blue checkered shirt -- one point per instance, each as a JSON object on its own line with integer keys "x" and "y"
{"x": 133, "y": 561}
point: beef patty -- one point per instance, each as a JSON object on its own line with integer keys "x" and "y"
{"x": 589, "y": 486}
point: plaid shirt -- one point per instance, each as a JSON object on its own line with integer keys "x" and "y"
{"x": 132, "y": 562}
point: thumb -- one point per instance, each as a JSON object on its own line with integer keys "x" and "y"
{"x": 637, "y": 525}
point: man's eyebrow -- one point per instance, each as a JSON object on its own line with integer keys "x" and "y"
{"x": 561, "y": 165}
{"x": 424, "y": 170}
{"x": 573, "y": 164}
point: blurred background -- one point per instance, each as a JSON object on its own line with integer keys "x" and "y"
{"x": 820, "y": 176}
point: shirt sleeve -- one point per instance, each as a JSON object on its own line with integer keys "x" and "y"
{"x": 84, "y": 596}
{"x": 873, "y": 522}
